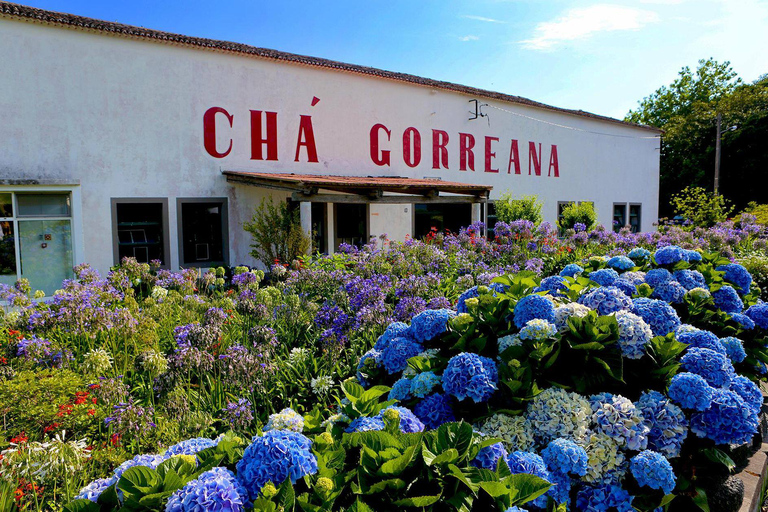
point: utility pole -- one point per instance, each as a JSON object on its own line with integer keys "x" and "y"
{"x": 717, "y": 154}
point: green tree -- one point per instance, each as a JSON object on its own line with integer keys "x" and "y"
{"x": 686, "y": 110}
{"x": 276, "y": 232}
{"x": 509, "y": 209}
{"x": 701, "y": 207}
{"x": 578, "y": 213}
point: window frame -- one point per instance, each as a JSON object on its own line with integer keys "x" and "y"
{"x": 163, "y": 201}
{"x": 639, "y": 217}
{"x": 224, "y": 202}
{"x": 613, "y": 216}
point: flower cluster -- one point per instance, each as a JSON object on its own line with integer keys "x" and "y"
{"x": 652, "y": 470}
{"x": 606, "y": 300}
{"x": 216, "y": 489}
{"x": 555, "y": 413}
{"x": 488, "y": 457}
{"x": 287, "y": 419}
{"x": 531, "y": 307}
{"x": 715, "y": 367}
{"x": 634, "y": 334}
{"x": 658, "y": 314}
{"x": 667, "y": 424}
{"x": 618, "y": 418}
{"x": 470, "y": 376}
{"x": 537, "y": 330}
{"x": 515, "y": 431}
{"x": 435, "y": 410}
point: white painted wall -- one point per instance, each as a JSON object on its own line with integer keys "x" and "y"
{"x": 393, "y": 220}
{"x": 124, "y": 117}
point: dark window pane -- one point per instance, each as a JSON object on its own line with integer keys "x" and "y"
{"x": 7, "y": 253}
{"x": 6, "y": 205}
{"x": 202, "y": 227}
{"x": 351, "y": 224}
{"x": 140, "y": 231}
{"x": 319, "y": 233}
{"x": 439, "y": 218}
{"x": 634, "y": 217}
{"x": 43, "y": 205}
{"x": 619, "y": 216}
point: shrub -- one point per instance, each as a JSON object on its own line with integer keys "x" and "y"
{"x": 578, "y": 213}
{"x": 700, "y": 207}
{"x": 276, "y": 233}
{"x": 757, "y": 265}
{"x": 760, "y": 211}
{"x": 527, "y": 207}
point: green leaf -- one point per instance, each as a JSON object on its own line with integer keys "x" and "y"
{"x": 495, "y": 489}
{"x": 139, "y": 481}
{"x": 286, "y": 497}
{"x": 700, "y": 499}
{"x": 529, "y": 487}
{"x": 398, "y": 464}
{"x": 81, "y": 505}
{"x": 719, "y": 456}
{"x": 418, "y": 501}
{"x": 449, "y": 456}
{"x": 359, "y": 506}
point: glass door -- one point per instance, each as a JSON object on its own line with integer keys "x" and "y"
{"x": 8, "y": 269}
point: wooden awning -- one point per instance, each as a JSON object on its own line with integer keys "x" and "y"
{"x": 369, "y": 188}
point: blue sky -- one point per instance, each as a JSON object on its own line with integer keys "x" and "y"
{"x": 591, "y": 55}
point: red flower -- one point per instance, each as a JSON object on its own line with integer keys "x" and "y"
{"x": 21, "y": 438}
{"x": 51, "y": 427}
{"x": 91, "y": 412}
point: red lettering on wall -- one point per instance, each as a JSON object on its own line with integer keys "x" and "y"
{"x": 489, "y": 155}
{"x": 534, "y": 158}
{"x": 258, "y": 141}
{"x": 514, "y": 158}
{"x": 439, "y": 149}
{"x": 306, "y": 139}
{"x": 553, "y": 164}
{"x": 411, "y": 159}
{"x": 466, "y": 156}
{"x": 209, "y": 131}
{"x": 379, "y": 157}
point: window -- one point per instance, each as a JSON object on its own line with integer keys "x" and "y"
{"x": 140, "y": 230}
{"x": 635, "y": 217}
{"x": 319, "y": 223}
{"x": 619, "y": 216}
{"x": 351, "y": 224}
{"x": 203, "y": 232}
{"x": 560, "y": 208}
{"x": 492, "y": 218}
{"x": 36, "y": 239}
{"x": 440, "y": 217}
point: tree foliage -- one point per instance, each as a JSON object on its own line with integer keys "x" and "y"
{"x": 702, "y": 208}
{"x": 509, "y": 209}
{"x": 687, "y": 109}
{"x": 276, "y": 233}
{"x": 578, "y": 213}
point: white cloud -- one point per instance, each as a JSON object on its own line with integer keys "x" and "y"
{"x": 469, "y": 38}
{"x": 582, "y": 23}
{"x": 481, "y": 18}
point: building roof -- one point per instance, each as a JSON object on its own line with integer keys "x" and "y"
{"x": 32, "y": 14}
{"x": 309, "y": 183}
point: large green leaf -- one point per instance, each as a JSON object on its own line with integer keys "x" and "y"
{"x": 418, "y": 501}
{"x": 81, "y": 505}
{"x": 528, "y": 487}
{"x": 139, "y": 481}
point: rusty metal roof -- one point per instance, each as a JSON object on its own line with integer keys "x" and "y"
{"x": 356, "y": 184}
{"x": 32, "y": 14}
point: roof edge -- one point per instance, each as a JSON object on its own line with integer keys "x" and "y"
{"x": 33, "y": 14}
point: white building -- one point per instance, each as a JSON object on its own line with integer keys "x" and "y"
{"x": 119, "y": 140}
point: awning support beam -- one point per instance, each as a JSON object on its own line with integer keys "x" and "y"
{"x": 360, "y": 199}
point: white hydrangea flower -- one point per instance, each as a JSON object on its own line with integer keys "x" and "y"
{"x": 604, "y": 457}
{"x": 634, "y": 334}
{"x": 159, "y": 293}
{"x": 563, "y": 313}
{"x": 699, "y": 293}
{"x": 515, "y": 431}
{"x": 430, "y": 353}
{"x": 635, "y": 277}
{"x": 557, "y": 413}
{"x": 510, "y": 340}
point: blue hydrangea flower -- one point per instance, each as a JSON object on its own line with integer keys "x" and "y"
{"x": 759, "y": 314}
{"x": 93, "y": 490}
{"x": 435, "y": 410}
{"x": 621, "y": 263}
{"x": 738, "y": 275}
{"x": 275, "y": 457}
{"x": 635, "y": 277}
{"x": 658, "y": 314}
{"x": 606, "y": 300}
{"x": 401, "y": 390}
{"x": 552, "y": 284}
{"x": 734, "y": 349}
{"x": 618, "y": 418}
{"x": 365, "y": 424}
{"x": 530, "y": 464}
{"x": 498, "y": 287}
{"x": 726, "y": 299}
{"x": 626, "y": 286}
{"x": 672, "y": 292}
{"x": 216, "y": 489}
{"x": 604, "y": 276}
{"x": 394, "y": 330}
{"x": 563, "y": 456}
{"x": 488, "y": 457}
{"x": 651, "y": 469}
{"x": 634, "y": 334}
{"x": 430, "y": 324}
{"x": 395, "y": 356}
{"x": 638, "y": 253}
{"x": 571, "y": 270}
{"x": 369, "y": 360}
{"x": 748, "y": 391}
{"x": 669, "y": 255}
{"x": 516, "y": 509}
{"x": 537, "y": 329}
{"x": 533, "y": 306}
{"x": 423, "y": 384}
{"x": 666, "y": 421}
{"x": 728, "y": 420}
{"x": 409, "y": 423}
{"x": 715, "y": 367}
{"x": 461, "y": 306}
{"x": 700, "y": 339}
{"x": 657, "y": 276}
{"x": 561, "y": 487}
{"x": 472, "y": 376}
{"x": 605, "y": 498}
{"x": 190, "y": 446}
{"x": 692, "y": 256}
{"x": 743, "y": 320}
{"x": 690, "y": 279}
{"x": 691, "y": 391}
